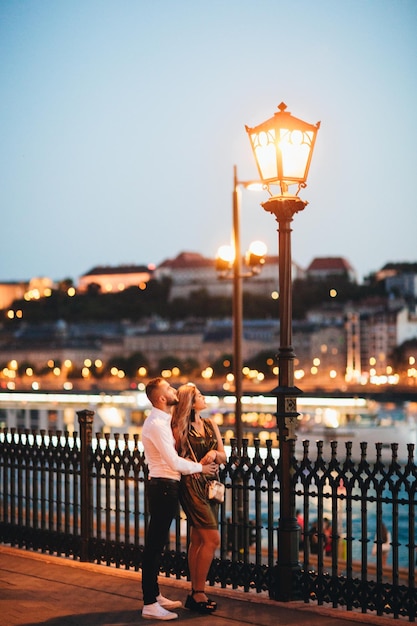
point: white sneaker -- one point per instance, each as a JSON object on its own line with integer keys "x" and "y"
{"x": 156, "y": 611}
{"x": 167, "y": 603}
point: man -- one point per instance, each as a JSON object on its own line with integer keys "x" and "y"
{"x": 165, "y": 469}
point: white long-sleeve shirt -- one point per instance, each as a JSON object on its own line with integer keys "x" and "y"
{"x": 159, "y": 444}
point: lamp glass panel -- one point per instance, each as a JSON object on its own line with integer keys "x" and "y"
{"x": 265, "y": 154}
{"x": 295, "y": 147}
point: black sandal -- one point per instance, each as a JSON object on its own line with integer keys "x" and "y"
{"x": 207, "y": 606}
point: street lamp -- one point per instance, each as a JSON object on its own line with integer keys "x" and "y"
{"x": 283, "y": 147}
{"x": 229, "y": 265}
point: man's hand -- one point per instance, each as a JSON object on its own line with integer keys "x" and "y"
{"x": 210, "y": 468}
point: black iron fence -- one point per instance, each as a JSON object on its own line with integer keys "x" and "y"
{"x": 85, "y": 498}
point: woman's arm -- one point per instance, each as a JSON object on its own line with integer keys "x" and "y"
{"x": 219, "y": 455}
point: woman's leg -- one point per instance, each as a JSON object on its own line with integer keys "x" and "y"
{"x": 193, "y": 548}
{"x": 203, "y": 544}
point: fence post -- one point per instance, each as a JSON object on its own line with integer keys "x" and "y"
{"x": 85, "y": 420}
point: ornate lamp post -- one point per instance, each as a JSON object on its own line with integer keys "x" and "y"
{"x": 283, "y": 147}
{"x": 229, "y": 265}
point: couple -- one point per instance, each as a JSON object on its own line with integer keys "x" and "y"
{"x": 178, "y": 442}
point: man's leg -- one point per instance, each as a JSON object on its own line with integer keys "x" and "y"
{"x": 163, "y": 506}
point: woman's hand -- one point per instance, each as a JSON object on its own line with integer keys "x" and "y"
{"x": 210, "y": 457}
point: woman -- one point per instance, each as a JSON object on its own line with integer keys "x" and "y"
{"x": 198, "y": 439}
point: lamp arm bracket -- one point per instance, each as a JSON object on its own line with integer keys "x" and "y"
{"x": 229, "y": 275}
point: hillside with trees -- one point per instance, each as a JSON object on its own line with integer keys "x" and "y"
{"x": 134, "y": 304}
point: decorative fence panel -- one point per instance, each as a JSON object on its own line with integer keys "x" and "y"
{"x": 359, "y": 499}
{"x": 86, "y": 498}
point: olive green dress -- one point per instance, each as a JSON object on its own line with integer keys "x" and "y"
{"x": 200, "y": 511}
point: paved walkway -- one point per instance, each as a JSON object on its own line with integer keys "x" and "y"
{"x": 40, "y": 589}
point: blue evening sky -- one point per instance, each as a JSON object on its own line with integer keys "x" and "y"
{"x": 121, "y": 121}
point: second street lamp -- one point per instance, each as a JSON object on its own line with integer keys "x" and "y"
{"x": 229, "y": 265}
{"x": 283, "y": 147}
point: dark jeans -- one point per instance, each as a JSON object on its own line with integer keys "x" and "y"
{"x": 163, "y": 506}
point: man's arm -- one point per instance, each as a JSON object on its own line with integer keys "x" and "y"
{"x": 162, "y": 438}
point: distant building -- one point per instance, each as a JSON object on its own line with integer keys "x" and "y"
{"x": 190, "y": 271}
{"x": 406, "y": 326}
{"x": 402, "y": 285}
{"x": 378, "y": 338}
{"x": 396, "y": 269}
{"x": 113, "y": 279}
{"x": 400, "y": 282}
{"x": 9, "y": 292}
{"x": 36, "y": 344}
{"x": 322, "y": 268}
{"x": 39, "y": 287}
{"x": 35, "y": 288}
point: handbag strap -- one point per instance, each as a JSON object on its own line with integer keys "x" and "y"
{"x": 192, "y": 451}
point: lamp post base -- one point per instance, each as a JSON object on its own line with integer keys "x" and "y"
{"x": 287, "y": 583}
{"x": 287, "y": 573}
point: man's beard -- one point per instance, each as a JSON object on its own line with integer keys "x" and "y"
{"x": 173, "y": 402}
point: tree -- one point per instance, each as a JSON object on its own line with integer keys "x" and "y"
{"x": 223, "y": 365}
{"x": 264, "y": 362}
{"x": 169, "y": 362}
{"x": 200, "y": 305}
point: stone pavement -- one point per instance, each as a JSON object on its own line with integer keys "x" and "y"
{"x": 43, "y": 589}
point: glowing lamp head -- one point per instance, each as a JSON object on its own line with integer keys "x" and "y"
{"x": 256, "y": 254}
{"x": 283, "y": 147}
{"x": 225, "y": 258}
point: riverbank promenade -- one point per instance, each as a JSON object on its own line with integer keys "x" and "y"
{"x": 56, "y": 591}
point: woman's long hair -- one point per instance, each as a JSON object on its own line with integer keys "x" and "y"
{"x": 182, "y": 416}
